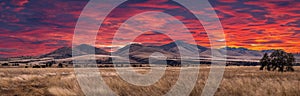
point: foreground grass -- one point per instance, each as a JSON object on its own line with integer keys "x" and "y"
{"x": 237, "y": 81}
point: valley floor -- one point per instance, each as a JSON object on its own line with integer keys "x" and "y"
{"x": 237, "y": 81}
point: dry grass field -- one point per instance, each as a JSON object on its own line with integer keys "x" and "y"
{"x": 237, "y": 81}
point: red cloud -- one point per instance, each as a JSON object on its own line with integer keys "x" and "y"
{"x": 254, "y": 24}
{"x": 19, "y": 2}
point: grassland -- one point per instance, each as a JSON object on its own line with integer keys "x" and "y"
{"x": 237, "y": 81}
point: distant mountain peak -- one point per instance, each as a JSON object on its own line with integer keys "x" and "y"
{"x": 64, "y": 48}
{"x": 66, "y": 52}
{"x": 84, "y": 45}
{"x": 91, "y": 49}
{"x": 131, "y": 47}
{"x": 135, "y": 44}
{"x": 179, "y": 42}
{"x": 63, "y": 52}
{"x": 176, "y": 43}
{"x": 241, "y": 51}
{"x": 187, "y": 47}
{"x": 235, "y": 48}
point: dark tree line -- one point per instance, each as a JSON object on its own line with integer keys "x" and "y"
{"x": 278, "y": 60}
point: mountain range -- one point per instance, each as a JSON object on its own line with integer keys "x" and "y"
{"x": 170, "y": 50}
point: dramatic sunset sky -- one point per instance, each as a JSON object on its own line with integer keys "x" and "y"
{"x": 35, "y": 27}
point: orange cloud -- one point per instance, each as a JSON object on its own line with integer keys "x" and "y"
{"x": 28, "y": 26}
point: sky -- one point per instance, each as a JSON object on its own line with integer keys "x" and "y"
{"x": 36, "y": 27}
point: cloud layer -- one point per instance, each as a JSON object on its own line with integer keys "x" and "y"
{"x": 37, "y": 27}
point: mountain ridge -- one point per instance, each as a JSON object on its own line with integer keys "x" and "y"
{"x": 172, "y": 49}
{"x": 66, "y": 52}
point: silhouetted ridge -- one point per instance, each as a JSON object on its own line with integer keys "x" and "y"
{"x": 66, "y": 52}
{"x": 173, "y": 47}
{"x": 241, "y": 51}
{"x": 88, "y": 49}
{"x": 63, "y": 52}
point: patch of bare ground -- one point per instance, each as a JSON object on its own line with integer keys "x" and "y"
{"x": 237, "y": 81}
